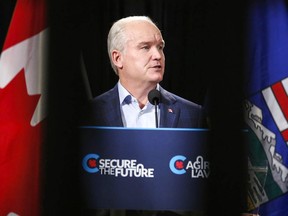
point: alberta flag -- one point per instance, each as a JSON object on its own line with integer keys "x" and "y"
{"x": 267, "y": 107}
{"x": 22, "y": 102}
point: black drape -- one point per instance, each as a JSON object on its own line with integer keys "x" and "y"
{"x": 6, "y": 10}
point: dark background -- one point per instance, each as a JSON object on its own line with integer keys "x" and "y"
{"x": 204, "y": 63}
{"x": 184, "y": 24}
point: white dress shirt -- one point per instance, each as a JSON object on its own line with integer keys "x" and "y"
{"x": 132, "y": 115}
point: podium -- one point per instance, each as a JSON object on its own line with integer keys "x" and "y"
{"x": 144, "y": 169}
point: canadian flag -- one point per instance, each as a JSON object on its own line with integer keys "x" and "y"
{"x": 23, "y": 95}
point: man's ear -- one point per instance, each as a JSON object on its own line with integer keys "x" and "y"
{"x": 116, "y": 57}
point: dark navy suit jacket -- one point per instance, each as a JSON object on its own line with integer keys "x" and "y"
{"x": 176, "y": 112}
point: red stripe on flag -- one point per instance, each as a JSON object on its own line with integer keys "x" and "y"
{"x": 285, "y": 135}
{"x": 281, "y": 97}
{"x": 28, "y": 19}
{"x": 20, "y": 146}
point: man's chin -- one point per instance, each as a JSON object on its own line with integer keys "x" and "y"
{"x": 156, "y": 81}
{"x": 157, "y": 78}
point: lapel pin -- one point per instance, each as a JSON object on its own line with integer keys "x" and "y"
{"x": 170, "y": 110}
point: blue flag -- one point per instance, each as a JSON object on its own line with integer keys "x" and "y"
{"x": 267, "y": 107}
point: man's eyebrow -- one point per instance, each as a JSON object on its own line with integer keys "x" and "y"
{"x": 150, "y": 42}
{"x": 144, "y": 43}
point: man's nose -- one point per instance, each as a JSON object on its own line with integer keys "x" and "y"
{"x": 157, "y": 53}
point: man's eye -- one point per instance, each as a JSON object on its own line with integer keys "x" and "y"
{"x": 145, "y": 47}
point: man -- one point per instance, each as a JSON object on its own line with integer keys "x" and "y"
{"x": 135, "y": 47}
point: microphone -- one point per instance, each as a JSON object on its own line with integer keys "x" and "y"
{"x": 154, "y": 98}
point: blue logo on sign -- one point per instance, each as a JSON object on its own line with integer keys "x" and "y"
{"x": 90, "y": 163}
{"x": 177, "y": 164}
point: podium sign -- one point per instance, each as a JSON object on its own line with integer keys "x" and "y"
{"x": 148, "y": 169}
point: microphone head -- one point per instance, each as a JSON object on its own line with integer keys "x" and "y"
{"x": 154, "y": 96}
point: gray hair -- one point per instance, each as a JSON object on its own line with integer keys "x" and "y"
{"x": 117, "y": 39}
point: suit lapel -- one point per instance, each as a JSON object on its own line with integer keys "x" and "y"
{"x": 168, "y": 110}
{"x": 113, "y": 107}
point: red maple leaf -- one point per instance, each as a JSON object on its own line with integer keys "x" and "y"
{"x": 19, "y": 149}
{"x": 179, "y": 165}
{"x": 92, "y": 163}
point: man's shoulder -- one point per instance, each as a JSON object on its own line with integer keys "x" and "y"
{"x": 105, "y": 97}
{"x": 178, "y": 100}
{"x": 100, "y": 102}
{"x": 96, "y": 111}
{"x": 191, "y": 114}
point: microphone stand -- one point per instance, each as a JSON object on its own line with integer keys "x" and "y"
{"x": 156, "y": 115}
{"x": 154, "y": 98}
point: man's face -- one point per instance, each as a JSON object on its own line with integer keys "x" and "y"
{"x": 143, "y": 60}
